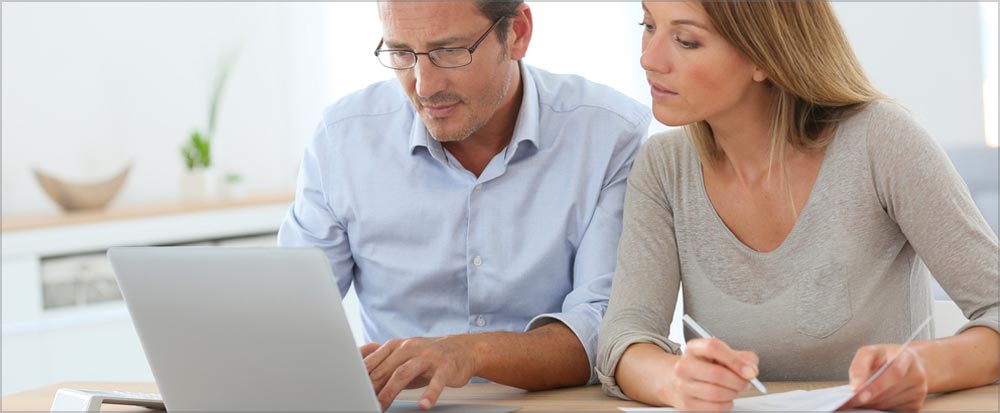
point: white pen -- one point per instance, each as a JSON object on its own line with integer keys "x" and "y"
{"x": 701, "y": 332}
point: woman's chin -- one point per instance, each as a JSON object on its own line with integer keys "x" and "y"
{"x": 672, "y": 118}
{"x": 672, "y": 121}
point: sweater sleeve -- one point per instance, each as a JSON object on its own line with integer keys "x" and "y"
{"x": 920, "y": 189}
{"x": 647, "y": 276}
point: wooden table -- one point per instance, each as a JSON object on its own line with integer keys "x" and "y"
{"x": 589, "y": 398}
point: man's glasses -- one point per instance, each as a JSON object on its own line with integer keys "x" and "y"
{"x": 447, "y": 57}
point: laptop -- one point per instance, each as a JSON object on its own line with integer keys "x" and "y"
{"x": 248, "y": 329}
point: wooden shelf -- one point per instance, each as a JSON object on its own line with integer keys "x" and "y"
{"x": 29, "y": 222}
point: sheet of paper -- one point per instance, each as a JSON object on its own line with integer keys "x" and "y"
{"x": 822, "y": 400}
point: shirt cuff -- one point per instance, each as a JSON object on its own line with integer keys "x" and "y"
{"x": 584, "y": 321}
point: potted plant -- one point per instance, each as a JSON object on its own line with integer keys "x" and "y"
{"x": 201, "y": 180}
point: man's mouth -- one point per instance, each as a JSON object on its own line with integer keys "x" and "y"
{"x": 440, "y": 111}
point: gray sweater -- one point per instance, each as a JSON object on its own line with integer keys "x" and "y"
{"x": 886, "y": 206}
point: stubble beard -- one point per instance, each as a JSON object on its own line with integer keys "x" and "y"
{"x": 495, "y": 99}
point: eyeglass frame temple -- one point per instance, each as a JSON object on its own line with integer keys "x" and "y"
{"x": 471, "y": 49}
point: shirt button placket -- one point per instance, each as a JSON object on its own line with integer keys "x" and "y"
{"x": 476, "y": 321}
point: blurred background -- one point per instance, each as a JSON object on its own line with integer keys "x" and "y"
{"x": 102, "y": 102}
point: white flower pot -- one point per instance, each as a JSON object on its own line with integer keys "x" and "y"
{"x": 199, "y": 184}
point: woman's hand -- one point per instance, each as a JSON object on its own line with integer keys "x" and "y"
{"x": 709, "y": 375}
{"x": 903, "y": 385}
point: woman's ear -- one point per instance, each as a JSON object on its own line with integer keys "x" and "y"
{"x": 759, "y": 75}
{"x": 519, "y": 32}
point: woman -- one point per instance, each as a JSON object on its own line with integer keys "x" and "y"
{"x": 798, "y": 208}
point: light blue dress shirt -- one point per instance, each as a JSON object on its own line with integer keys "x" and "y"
{"x": 433, "y": 250}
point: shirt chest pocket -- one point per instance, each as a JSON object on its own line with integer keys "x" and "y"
{"x": 823, "y": 303}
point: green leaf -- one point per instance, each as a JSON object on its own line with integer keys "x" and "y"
{"x": 220, "y": 83}
{"x": 188, "y": 158}
{"x": 197, "y": 151}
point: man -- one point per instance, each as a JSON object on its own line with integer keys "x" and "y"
{"x": 475, "y": 204}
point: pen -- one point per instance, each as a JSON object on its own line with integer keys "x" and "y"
{"x": 701, "y": 332}
{"x": 894, "y": 356}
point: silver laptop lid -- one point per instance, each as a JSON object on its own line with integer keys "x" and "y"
{"x": 243, "y": 329}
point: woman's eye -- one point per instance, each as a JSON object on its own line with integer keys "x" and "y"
{"x": 646, "y": 26}
{"x": 686, "y": 44}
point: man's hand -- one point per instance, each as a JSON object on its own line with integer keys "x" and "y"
{"x": 434, "y": 362}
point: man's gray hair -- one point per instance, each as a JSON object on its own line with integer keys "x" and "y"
{"x": 495, "y": 9}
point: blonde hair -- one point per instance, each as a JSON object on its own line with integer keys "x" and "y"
{"x": 816, "y": 78}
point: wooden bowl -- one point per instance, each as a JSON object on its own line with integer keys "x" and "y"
{"x": 75, "y": 196}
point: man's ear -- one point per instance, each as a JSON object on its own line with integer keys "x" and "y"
{"x": 519, "y": 32}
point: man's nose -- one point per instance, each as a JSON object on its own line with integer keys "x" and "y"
{"x": 430, "y": 78}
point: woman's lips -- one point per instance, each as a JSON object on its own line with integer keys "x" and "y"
{"x": 661, "y": 92}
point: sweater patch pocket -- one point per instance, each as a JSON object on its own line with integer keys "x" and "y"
{"x": 824, "y": 301}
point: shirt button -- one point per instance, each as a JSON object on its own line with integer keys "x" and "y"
{"x": 477, "y": 261}
{"x": 479, "y": 187}
{"x": 481, "y": 321}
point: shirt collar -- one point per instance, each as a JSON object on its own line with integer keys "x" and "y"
{"x": 525, "y": 129}
{"x": 419, "y": 136}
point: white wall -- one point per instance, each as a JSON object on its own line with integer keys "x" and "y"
{"x": 90, "y": 87}
{"x": 927, "y": 55}
{"x": 597, "y": 40}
